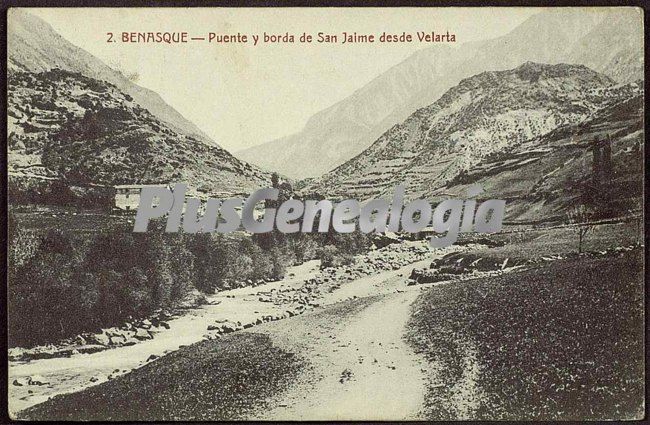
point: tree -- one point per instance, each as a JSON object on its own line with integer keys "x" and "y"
{"x": 327, "y": 256}
{"x": 581, "y": 216}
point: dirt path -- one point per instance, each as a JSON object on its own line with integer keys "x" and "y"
{"x": 360, "y": 365}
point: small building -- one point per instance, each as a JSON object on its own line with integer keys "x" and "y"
{"x": 127, "y": 196}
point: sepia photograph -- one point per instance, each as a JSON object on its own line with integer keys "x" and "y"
{"x": 325, "y": 213}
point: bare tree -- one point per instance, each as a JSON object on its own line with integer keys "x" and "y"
{"x": 581, "y": 216}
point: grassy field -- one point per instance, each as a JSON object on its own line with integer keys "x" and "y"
{"x": 532, "y": 244}
{"x": 562, "y": 341}
{"x": 211, "y": 380}
{"x": 41, "y": 217}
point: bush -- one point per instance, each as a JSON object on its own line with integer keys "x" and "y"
{"x": 331, "y": 256}
{"x": 71, "y": 284}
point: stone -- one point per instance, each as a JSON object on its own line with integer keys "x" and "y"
{"x": 38, "y": 380}
{"x": 22, "y": 381}
{"x": 228, "y": 327}
{"x": 142, "y": 334}
{"x": 101, "y": 339}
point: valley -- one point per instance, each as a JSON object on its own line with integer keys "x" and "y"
{"x": 384, "y": 320}
{"x": 334, "y": 358}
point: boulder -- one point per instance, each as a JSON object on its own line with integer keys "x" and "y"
{"x": 228, "y": 327}
{"x": 38, "y": 380}
{"x": 91, "y": 348}
{"x": 101, "y": 339}
{"x": 142, "y": 334}
{"x": 17, "y": 353}
{"x": 22, "y": 381}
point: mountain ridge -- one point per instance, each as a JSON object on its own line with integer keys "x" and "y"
{"x": 65, "y": 126}
{"x": 34, "y": 46}
{"x": 481, "y": 116}
{"x": 341, "y": 131}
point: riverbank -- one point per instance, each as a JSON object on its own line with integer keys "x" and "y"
{"x": 348, "y": 330}
{"x": 304, "y": 288}
{"x": 330, "y": 362}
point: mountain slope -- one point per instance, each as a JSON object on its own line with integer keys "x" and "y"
{"x": 614, "y": 47}
{"x": 481, "y": 117}
{"x": 336, "y": 134}
{"x": 64, "y": 125}
{"x": 543, "y": 178}
{"x": 34, "y": 46}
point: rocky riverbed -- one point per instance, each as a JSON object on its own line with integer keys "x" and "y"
{"x": 40, "y": 373}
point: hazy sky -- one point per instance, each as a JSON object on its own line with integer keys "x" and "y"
{"x": 243, "y": 95}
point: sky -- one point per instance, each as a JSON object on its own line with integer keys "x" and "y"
{"x": 243, "y": 95}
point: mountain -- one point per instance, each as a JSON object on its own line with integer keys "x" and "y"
{"x": 544, "y": 177}
{"x": 562, "y": 35}
{"x": 480, "y": 118}
{"x": 63, "y": 125}
{"x": 614, "y": 47}
{"x": 34, "y": 46}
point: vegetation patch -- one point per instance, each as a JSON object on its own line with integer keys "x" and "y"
{"x": 64, "y": 282}
{"x": 210, "y": 380}
{"x": 563, "y": 341}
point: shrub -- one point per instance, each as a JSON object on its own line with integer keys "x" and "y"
{"x": 74, "y": 283}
